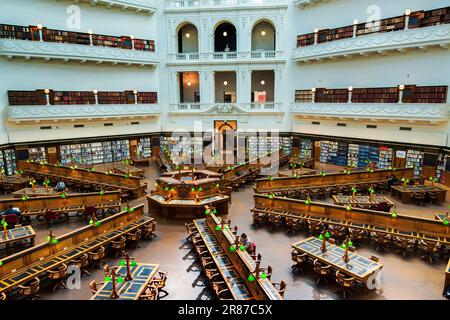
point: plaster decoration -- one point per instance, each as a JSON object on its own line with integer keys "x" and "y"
{"x": 69, "y": 112}
{"x": 269, "y": 108}
{"x": 83, "y": 53}
{"x": 400, "y": 111}
{"x": 144, "y": 6}
{"x": 206, "y": 5}
{"x": 305, "y": 3}
{"x": 378, "y": 42}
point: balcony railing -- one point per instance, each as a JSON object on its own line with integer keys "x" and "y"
{"x": 218, "y": 4}
{"x": 221, "y": 57}
{"x": 221, "y": 107}
{"x": 40, "y": 42}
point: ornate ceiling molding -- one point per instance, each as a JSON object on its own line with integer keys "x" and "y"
{"x": 138, "y": 6}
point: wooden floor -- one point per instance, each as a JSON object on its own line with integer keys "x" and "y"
{"x": 402, "y": 278}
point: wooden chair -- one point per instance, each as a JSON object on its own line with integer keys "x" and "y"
{"x": 160, "y": 282}
{"x": 322, "y": 270}
{"x": 268, "y": 271}
{"x": 96, "y": 256}
{"x": 2, "y": 296}
{"x": 259, "y": 218}
{"x": 191, "y": 231}
{"x": 432, "y": 197}
{"x": 52, "y": 217}
{"x": 418, "y": 198}
{"x": 148, "y": 231}
{"x": 345, "y": 282}
{"x": 300, "y": 260}
{"x": 375, "y": 258}
{"x": 429, "y": 248}
{"x": 275, "y": 220}
{"x": 356, "y": 234}
{"x": 150, "y": 293}
{"x": 118, "y": 245}
{"x": 94, "y": 285}
{"x": 133, "y": 238}
{"x": 29, "y": 290}
{"x": 293, "y": 224}
{"x": 382, "y": 240}
{"x": 58, "y": 276}
{"x": 281, "y": 287}
{"x": 403, "y": 244}
{"x": 338, "y": 232}
{"x": 314, "y": 227}
{"x": 82, "y": 262}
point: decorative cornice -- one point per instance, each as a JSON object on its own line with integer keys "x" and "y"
{"x": 399, "y": 112}
{"x": 376, "y": 43}
{"x": 73, "y": 112}
{"x": 138, "y": 6}
{"x": 70, "y": 52}
{"x": 305, "y": 3}
{"x": 214, "y": 5}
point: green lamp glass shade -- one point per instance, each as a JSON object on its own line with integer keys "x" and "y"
{"x": 131, "y": 210}
{"x": 251, "y": 278}
{"x": 218, "y": 228}
{"x": 1, "y": 263}
{"x": 119, "y": 279}
{"x": 263, "y": 275}
{"x": 47, "y": 238}
{"x": 108, "y": 279}
{"x": 193, "y": 189}
{"x": 348, "y": 208}
{"x": 133, "y": 263}
{"x": 350, "y": 243}
{"x": 200, "y": 189}
{"x": 91, "y": 221}
{"x": 207, "y": 212}
{"x": 343, "y": 246}
{"x": 241, "y": 247}
{"x": 122, "y": 263}
{"x": 98, "y": 223}
{"x": 321, "y": 237}
{"x": 394, "y": 214}
{"x": 445, "y": 222}
{"x": 327, "y": 234}
{"x": 54, "y": 241}
{"x": 232, "y": 249}
{"x": 214, "y": 211}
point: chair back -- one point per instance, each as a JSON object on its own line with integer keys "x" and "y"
{"x": 51, "y": 215}
{"x": 82, "y": 261}
{"x": 118, "y": 244}
{"x": 11, "y": 219}
{"x": 282, "y": 289}
{"x": 60, "y": 273}
{"x": 90, "y": 210}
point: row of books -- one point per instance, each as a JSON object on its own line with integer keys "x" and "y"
{"x": 146, "y": 147}
{"x": 10, "y": 164}
{"x": 37, "y": 153}
{"x": 95, "y": 152}
{"x": 38, "y": 97}
{"x": 411, "y": 94}
{"x": 306, "y": 148}
{"x": 414, "y": 159}
{"x": 333, "y": 152}
{"x": 61, "y": 36}
{"x": 417, "y": 19}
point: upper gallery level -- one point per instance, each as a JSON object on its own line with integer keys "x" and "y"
{"x": 219, "y": 41}
{"x": 138, "y": 6}
{"x": 55, "y": 106}
{"x": 207, "y": 5}
{"x": 402, "y": 103}
{"x": 412, "y": 30}
{"x": 41, "y": 42}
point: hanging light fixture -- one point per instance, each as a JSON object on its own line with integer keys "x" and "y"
{"x": 225, "y": 83}
{"x": 225, "y": 33}
{"x": 263, "y": 33}
{"x": 263, "y": 82}
{"x": 188, "y": 35}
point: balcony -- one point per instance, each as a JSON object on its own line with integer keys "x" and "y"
{"x": 139, "y": 6}
{"x": 196, "y": 5}
{"x": 226, "y": 57}
{"x": 413, "y": 31}
{"x": 377, "y": 111}
{"x": 39, "y": 42}
{"x": 65, "y": 113}
{"x": 268, "y": 108}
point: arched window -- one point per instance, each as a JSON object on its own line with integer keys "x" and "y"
{"x": 263, "y": 37}
{"x": 188, "y": 39}
{"x": 225, "y": 38}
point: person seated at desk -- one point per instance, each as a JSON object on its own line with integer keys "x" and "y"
{"x": 11, "y": 210}
{"x": 60, "y": 186}
{"x": 247, "y": 243}
{"x": 392, "y": 180}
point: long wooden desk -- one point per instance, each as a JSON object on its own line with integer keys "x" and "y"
{"x": 358, "y": 267}
{"x": 361, "y": 201}
{"x": 16, "y": 235}
{"x": 83, "y": 176}
{"x": 38, "y": 192}
{"x": 15, "y": 181}
{"x": 331, "y": 179}
{"x": 142, "y": 274}
{"x": 122, "y": 169}
{"x": 298, "y": 172}
{"x": 302, "y": 162}
{"x": 108, "y": 201}
{"x": 404, "y": 193}
{"x": 140, "y": 161}
{"x": 241, "y": 262}
{"x": 370, "y": 220}
{"x": 36, "y": 261}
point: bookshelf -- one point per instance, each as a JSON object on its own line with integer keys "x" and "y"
{"x": 146, "y": 147}
{"x": 120, "y": 150}
{"x": 332, "y": 95}
{"x": 414, "y": 158}
{"x": 31, "y": 33}
{"x": 2, "y": 161}
{"x": 442, "y": 165}
{"x": 306, "y": 148}
{"x": 303, "y": 96}
{"x": 38, "y": 97}
{"x": 375, "y": 95}
{"x": 305, "y": 40}
{"x": 386, "y": 157}
{"x": 435, "y": 17}
{"x": 353, "y": 154}
{"x": 9, "y": 156}
{"x": 37, "y": 153}
{"x": 333, "y": 152}
{"x": 107, "y": 151}
{"x": 431, "y": 94}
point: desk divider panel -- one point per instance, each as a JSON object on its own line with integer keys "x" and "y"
{"x": 402, "y": 222}
{"x": 78, "y": 173}
{"x": 54, "y": 202}
{"x": 333, "y": 178}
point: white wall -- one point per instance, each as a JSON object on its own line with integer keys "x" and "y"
{"x": 266, "y": 41}
{"x": 189, "y": 44}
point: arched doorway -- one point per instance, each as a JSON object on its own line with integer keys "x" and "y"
{"x": 263, "y": 36}
{"x": 188, "y": 38}
{"x": 225, "y": 38}
{"x": 225, "y": 133}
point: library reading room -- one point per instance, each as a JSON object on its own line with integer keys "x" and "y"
{"x": 224, "y": 150}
